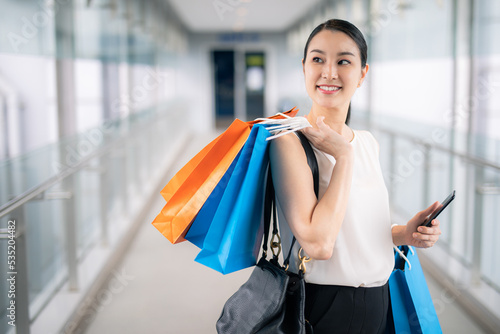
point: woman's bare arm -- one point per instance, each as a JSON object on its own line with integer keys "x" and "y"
{"x": 315, "y": 224}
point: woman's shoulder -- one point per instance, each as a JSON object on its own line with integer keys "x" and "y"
{"x": 364, "y": 135}
{"x": 288, "y": 141}
{"x": 287, "y": 149}
{"x": 367, "y": 139}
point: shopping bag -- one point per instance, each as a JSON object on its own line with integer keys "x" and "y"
{"x": 191, "y": 186}
{"x": 188, "y": 190}
{"x": 199, "y": 227}
{"x": 412, "y": 309}
{"x": 182, "y": 175}
{"x": 201, "y": 223}
{"x": 234, "y": 236}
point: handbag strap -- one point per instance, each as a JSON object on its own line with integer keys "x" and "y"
{"x": 270, "y": 200}
{"x": 311, "y": 160}
{"x": 313, "y": 165}
{"x": 268, "y": 205}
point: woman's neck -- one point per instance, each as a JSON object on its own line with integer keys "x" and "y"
{"x": 334, "y": 118}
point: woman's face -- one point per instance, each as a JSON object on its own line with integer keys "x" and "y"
{"x": 332, "y": 69}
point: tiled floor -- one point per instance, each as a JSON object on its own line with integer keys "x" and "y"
{"x": 160, "y": 289}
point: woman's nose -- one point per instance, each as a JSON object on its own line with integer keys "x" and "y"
{"x": 329, "y": 72}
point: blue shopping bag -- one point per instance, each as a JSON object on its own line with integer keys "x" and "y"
{"x": 198, "y": 230}
{"x": 233, "y": 239}
{"x": 412, "y": 309}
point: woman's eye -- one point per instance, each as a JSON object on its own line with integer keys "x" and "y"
{"x": 344, "y": 62}
{"x": 317, "y": 60}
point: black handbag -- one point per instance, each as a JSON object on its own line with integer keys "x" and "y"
{"x": 272, "y": 300}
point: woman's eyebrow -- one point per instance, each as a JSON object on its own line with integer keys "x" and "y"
{"x": 342, "y": 53}
{"x": 345, "y": 53}
{"x": 318, "y": 51}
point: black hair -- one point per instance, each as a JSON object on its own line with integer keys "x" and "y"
{"x": 350, "y": 30}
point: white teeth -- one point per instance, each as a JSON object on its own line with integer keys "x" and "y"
{"x": 329, "y": 88}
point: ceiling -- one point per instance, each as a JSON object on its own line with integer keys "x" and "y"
{"x": 240, "y": 15}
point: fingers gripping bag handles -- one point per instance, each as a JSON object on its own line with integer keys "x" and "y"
{"x": 412, "y": 310}
{"x": 188, "y": 190}
{"x": 272, "y": 300}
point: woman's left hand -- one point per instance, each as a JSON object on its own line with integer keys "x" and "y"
{"x": 422, "y": 236}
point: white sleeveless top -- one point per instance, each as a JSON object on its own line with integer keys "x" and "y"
{"x": 363, "y": 253}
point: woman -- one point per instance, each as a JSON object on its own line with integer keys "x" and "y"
{"x": 346, "y": 231}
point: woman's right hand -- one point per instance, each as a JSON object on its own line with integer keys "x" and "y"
{"x": 328, "y": 140}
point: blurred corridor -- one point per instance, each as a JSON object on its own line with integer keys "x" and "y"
{"x": 102, "y": 101}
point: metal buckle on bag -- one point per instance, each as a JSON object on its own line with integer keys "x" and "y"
{"x": 303, "y": 260}
{"x": 276, "y": 245}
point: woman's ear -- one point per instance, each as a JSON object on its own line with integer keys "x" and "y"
{"x": 303, "y": 67}
{"x": 363, "y": 75}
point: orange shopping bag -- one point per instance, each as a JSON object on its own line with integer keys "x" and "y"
{"x": 188, "y": 190}
{"x": 183, "y": 174}
{"x": 176, "y": 182}
{"x": 190, "y": 187}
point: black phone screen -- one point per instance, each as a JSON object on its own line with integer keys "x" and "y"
{"x": 440, "y": 209}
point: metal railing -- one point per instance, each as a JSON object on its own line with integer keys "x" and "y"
{"x": 49, "y": 228}
{"x": 475, "y": 184}
{"x": 419, "y": 172}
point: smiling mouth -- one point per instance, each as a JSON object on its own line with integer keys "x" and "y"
{"x": 329, "y": 88}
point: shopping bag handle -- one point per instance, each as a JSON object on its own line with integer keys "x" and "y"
{"x": 289, "y": 113}
{"x": 400, "y": 252}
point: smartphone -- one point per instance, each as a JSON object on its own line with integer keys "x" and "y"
{"x": 440, "y": 209}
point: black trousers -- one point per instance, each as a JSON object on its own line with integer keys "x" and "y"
{"x": 333, "y": 309}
